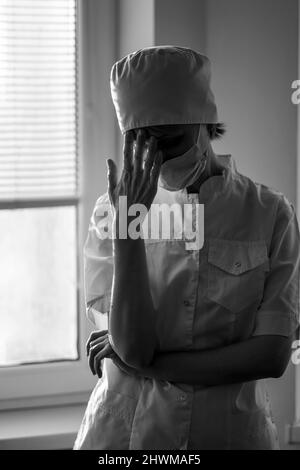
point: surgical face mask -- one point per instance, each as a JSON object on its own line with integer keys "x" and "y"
{"x": 183, "y": 170}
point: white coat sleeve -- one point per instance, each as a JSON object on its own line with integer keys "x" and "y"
{"x": 98, "y": 263}
{"x": 279, "y": 312}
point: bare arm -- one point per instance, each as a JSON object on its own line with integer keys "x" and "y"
{"x": 256, "y": 358}
{"x": 132, "y": 319}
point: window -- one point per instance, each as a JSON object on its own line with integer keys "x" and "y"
{"x": 38, "y": 166}
{"x": 40, "y": 268}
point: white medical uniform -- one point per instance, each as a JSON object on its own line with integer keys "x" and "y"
{"x": 243, "y": 282}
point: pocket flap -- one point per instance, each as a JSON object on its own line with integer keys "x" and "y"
{"x": 237, "y": 257}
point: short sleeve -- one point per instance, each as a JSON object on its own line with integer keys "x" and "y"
{"x": 278, "y": 313}
{"x": 98, "y": 261}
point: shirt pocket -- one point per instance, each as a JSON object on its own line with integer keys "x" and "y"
{"x": 236, "y": 272}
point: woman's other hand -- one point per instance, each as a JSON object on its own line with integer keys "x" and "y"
{"x": 97, "y": 348}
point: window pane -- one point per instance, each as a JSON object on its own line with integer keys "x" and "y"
{"x": 38, "y": 99}
{"x": 38, "y": 306}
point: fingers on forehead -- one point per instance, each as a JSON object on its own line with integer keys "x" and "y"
{"x": 153, "y": 142}
{"x": 141, "y": 144}
{"x": 129, "y": 142}
{"x": 129, "y": 136}
{"x": 128, "y": 148}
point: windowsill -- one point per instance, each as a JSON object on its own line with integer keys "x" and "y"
{"x": 42, "y": 428}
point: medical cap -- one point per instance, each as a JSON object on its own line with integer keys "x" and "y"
{"x": 162, "y": 85}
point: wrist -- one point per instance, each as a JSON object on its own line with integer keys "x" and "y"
{"x": 127, "y": 227}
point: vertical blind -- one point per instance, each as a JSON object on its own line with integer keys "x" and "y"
{"x": 38, "y": 99}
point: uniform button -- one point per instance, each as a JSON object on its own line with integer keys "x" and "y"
{"x": 237, "y": 264}
{"x": 187, "y": 303}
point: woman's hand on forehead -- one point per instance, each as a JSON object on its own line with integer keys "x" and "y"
{"x": 172, "y": 139}
{"x": 139, "y": 178}
{"x": 162, "y": 131}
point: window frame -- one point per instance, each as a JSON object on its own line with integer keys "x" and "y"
{"x": 55, "y": 378}
{"x": 63, "y": 382}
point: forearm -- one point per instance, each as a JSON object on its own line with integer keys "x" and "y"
{"x": 132, "y": 318}
{"x": 256, "y": 358}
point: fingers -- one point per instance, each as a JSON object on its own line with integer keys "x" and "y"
{"x": 94, "y": 350}
{"x": 98, "y": 348}
{"x": 156, "y": 168}
{"x": 150, "y": 157}
{"x": 98, "y": 358}
{"x": 94, "y": 335}
{"x": 111, "y": 177}
{"x": 152, "y": 165}
{"x": 128, "y": 151}
{"x": 139, "y": 178}
{"x": 138, "y": 154}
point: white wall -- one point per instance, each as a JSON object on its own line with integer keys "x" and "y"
{"x": 254, "y": 47}
{"x": 97, "y": 54}
{"x": 136, "y": 25}
{"x": 180, "y": 23}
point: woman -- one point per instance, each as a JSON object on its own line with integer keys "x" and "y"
{"x": 192, "y": 332}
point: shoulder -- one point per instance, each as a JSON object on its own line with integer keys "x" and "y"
{"x": 102, "y": 203}
{"x": 102, "y": 199}
{"x": 284, "y": 205}
{"x": 267, "y": 195}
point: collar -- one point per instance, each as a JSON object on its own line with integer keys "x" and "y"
{"x": 215, "y": 184}
{"x": 229, "y": 164}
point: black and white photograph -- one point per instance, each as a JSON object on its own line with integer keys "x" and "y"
{"x": 149, "y": 228}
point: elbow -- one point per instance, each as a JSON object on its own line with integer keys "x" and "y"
{"x": 134, "y": 354}
{"x": 278, "y": 369}
{"x": 281, "y": 359}
{"x": 276, "y": 352}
